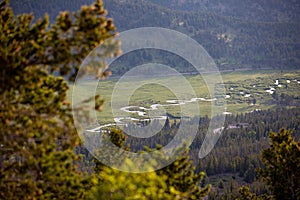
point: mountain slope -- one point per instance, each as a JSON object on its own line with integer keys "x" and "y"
{"x": 232, "y": 42}
{"x": 252, "y": 10}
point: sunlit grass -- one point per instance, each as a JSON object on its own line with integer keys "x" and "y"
{"x": 237, "y": 85}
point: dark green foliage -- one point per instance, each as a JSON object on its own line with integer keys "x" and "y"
{"x": 118, "y": 138}
{"x": 280, "y": 172}
{"x": 227, "y": 156}
{"x": 282, "y": 164}
{"x": 238, "y": 151}
{"x": 181, "y": 175}
{"x": 178, "y": 180}
{"x": 233, "y": 43}
{"x": 251, "y": 39}
{"x": 251, "y": 10}
{"x": 245, "y": 194}
{"x": 37, "y": 135}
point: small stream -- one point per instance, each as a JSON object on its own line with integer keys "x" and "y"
{"x": 142, "y": 111}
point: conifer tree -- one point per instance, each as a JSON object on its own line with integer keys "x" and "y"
{"x": 181, "y": 175}
{"x": 176, "y": 181}
{"x": 37, "y": 135}
{"x": 282, "y": 164}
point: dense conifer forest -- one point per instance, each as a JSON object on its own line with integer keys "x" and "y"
{"x": 237, "y": 34}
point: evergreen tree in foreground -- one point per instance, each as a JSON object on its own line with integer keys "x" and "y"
{"x": 281, "y": 172}
{"x": 37, "y": 136}
{"x": 176, "y": 181}
{"x": 282, "y": 164}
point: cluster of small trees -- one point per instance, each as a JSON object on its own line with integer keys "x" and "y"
{"x": 280, "y": 172}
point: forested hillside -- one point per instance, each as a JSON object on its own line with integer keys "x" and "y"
{"x": 235, "y": 159}
{"x": 251, "y": 10}
{"x": 271, "y": 39}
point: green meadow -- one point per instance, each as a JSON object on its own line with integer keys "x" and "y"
{"x": 245, "y": 91}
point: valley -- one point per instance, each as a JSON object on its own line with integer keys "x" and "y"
{"x": 246, "y": 91}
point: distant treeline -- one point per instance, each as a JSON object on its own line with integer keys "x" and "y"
{"x": 238, "y": 150}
